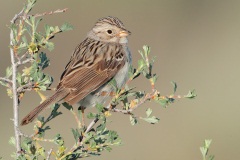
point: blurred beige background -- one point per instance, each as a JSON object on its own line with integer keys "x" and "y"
{"x": 197, "y": 44}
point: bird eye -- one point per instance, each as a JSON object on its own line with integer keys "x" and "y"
{"x": 109, "y": 31}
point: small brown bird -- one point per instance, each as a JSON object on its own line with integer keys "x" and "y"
{"x": 102, "y": 56}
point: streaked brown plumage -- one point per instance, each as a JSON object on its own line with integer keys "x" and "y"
{"x": 103, "y": 55}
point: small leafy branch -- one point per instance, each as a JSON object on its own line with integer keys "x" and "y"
{"x": 25, "y": 45}
{"x": 205, "y": 149}
{"x": 26, "y": 73}
{"x": 132, "y": 99}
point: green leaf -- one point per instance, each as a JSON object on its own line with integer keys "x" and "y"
{"x": 55, "y": 107}
{"x": 38, "y": 37}
{"x": 14, "y": 30}
{"x": 93, "y": 145}
{"x": 27, "y": 144}
{"x": 113, "y": 136}
{"x": 29, "y": 6}
{"x": 20, "y": 157}
{"x": 37, "y": 22}
{"x": 24, "y": 39}
{"x": 44, "y": 61}
{"x": 161, "y": 101}
{"x": 28, "y": 22}
{"x": 141, "y": 53}
{"x": 146, "y": 50}
{"x": 76, "y": 134}
{"x": 149, "y": 112}
{"x": 3, "y": 83}
{"x": 12, "y": 141}
{"x": 207, "y": 143}
{"x": 146, "y": 74}
{"x": 91, "y": 115}
{"x": 174, "y": 86}
{"x": 28, "y": 29}
{"x": 55, "y": 111}
{"x": 41, "y": 151}
{"x": 113, "y": 83}
{"x": 99, "y": 107}
{"x": 57, "y": 29}
{"x": 191, "y": 94}
{"x": 59, "y": 140}
{"x": 67, "y": 106}
{"x": 154, "y": 78}
{"x": 47, "y": 29}
{"x": 108, "y": 148}
{"x": 203, "y": 151}
{"x": 8, "y": 72}
{"x": 19, "y": 79}
{"x": 211, "y": 157}
{"x": 21, "y": 47}
{"x": 101, "y": 128}
{"x": 141, "y": 64}
{"x": 32, "y": 19}
{"x": 152, "y": 120}
{"x": 133, "y": 120}
{"x": 26, "y": 71}
{"x": 49, "y": 46}
{"x": 66, "y": 27}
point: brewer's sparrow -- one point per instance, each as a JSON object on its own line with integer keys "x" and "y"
{"x": 102, "y": 56}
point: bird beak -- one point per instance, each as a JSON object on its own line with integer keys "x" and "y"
{"x": 124, "y": 33}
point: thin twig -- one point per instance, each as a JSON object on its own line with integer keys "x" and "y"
{"x": 26, "y": 87}
{"x": 121, "y": 111}
{"x": 48, "y": 13}
{"x": 43, "y": 140}
{"x": 24, "y": 55}
{"x": 23, "y": 134}
{"x": 25, "y": 61}
{"x": 15, "y": 18}
{"x": 49, "y": 154}
{"x": 3, "y": 79}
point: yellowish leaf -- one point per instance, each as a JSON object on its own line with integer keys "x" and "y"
{"x": 21, "y": 95}
{"x": 26, "y": 71}
{"x": 9, "y": 92}
{"x": 43, "y": 97}
{"x": 133, "y": 103}
{"x": 107, "y": 114}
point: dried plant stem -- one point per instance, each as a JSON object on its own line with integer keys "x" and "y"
{"x": 5, "y": 80}
{"x": 25, "y": 61}
{"x": 76, "y": 118}
{"x": 15, "y": 101}
{"x": 43, "y": 140}
{"x": 14, "y": 88}
{"x": 49, "y": 154}
{"x": 49, "y": 13}
{"x": 27, "y": 87}
{"x": 91, "y": 125}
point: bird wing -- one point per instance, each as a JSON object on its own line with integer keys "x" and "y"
{"x": 92, "y": 65}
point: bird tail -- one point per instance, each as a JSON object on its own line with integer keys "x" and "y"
{"x": 58, "y": 95}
